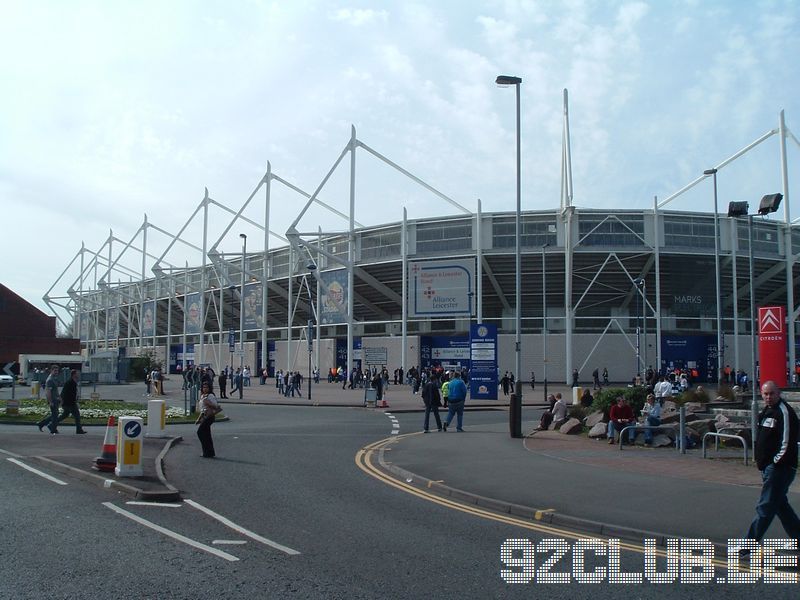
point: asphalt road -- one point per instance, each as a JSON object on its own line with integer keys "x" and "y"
{"x": 287, "y": 481}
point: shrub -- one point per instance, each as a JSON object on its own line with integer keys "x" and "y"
{"x": 576, "y": 411}
{"x": 635, "y": 396}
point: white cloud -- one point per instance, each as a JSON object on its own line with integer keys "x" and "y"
{"x": 117, "y": 109}
{"x": 359, "y": 17}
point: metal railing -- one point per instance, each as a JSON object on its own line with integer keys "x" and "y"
{"x": 717, "y": 437}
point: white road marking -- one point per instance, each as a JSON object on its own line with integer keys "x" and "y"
{"x": 140, "y": 503}
{"x": 37, "y": 471}
{"x": 170, "y": 533}
{"x": 395, "y": 423}
{"x": 229, "y": 542}
{"x": 242, "y": 530}
{"x": 10, "y": 453}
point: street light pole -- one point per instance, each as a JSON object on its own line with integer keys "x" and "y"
{"x": 544, "y": 320}
{"x": 713, "y": 172}
{"x": 641, "y": 291}
{"x": 505, "y": 80}
{"x": 241, "y": 308}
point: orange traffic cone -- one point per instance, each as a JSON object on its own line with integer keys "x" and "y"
{"x": 384, "y": 403}
{"x": 108, "y": 459}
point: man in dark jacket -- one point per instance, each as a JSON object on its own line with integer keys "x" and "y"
{"x": 776, "y": 457}
{"x": 432, "y": 400}
{"x": 69, "y": 401}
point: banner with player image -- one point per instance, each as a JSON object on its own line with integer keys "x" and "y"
{"x": 253, "y": 306}
{"x": 333, "y": 297}
{"x": 149, "y": 318}
{"x": 194, "y": 312}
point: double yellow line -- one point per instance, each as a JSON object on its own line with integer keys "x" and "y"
{"x": 364, "y": 460}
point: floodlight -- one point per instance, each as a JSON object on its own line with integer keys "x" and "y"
{"x": 738, "y": 209}
{"x": 769, "y": 203}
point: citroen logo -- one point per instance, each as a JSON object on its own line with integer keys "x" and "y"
{"x": 769, "y": 321}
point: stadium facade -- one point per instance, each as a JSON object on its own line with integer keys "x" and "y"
{"x": 621, "y": 289}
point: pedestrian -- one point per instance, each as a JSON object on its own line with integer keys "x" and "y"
{"x": 209, "y": 407}
{"x": 69, "y": 401}
{"x": 432, "y": 400}
{"x": 239, "y": 381}
{"x": 533, "y": 380}
{"x": 223, "y": 384}
{"x": 456, "y": 397}
{"x": 605, "y": 376}
{"x": 596, "y": 379}
{"x": 575, "y": 377}
{"x": 147, "y": 381}
{"x": 51, "y": 394}
{"x": 505, "y": 383}
{"x": 776, "y": 458}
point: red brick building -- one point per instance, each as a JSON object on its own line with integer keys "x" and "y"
{"x": 24, "y": 329}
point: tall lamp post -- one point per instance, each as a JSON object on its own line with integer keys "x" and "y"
{"x": 309, "y": 332}
{"x": 544, "y": 320}
{"x": 768, "y": 204}
{"x": 713, "y": 172}
{"x": 641, "y": 289}
{"x": 241, "y": 308}
{"x": 504, "y": 81}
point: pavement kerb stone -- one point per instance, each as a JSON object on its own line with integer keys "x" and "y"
{"x": 557, "y": 519}
{"x": 160, "y": 464}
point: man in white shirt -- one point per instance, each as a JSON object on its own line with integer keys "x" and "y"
{"x": 662, "y": 390}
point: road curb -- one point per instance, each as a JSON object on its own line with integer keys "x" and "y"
{"x": 171, "y": 494}
{"x": 590, "y": 527}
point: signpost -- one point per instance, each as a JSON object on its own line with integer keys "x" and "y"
{"x": 483, "y": 362}
{"x": 376, "y": 356}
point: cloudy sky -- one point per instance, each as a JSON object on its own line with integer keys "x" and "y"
{"x": 114, "y": 110}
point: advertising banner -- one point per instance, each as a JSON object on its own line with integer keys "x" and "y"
{"x": 149, "y": 318}
{"x": 441, "y": 288}
{"x": 333, "y": 300}
{"x": 443, "y": 351}
{"x": 253, "y": 306}
{"x": 194, "y": 313}
{"x": 112, "y": 319}
{"x": 772, "y": 344}
{"x": 483, "y": 361}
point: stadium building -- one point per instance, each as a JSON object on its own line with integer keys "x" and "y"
{"x": 621, "y": 289}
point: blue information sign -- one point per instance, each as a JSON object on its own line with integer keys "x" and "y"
{"x": 132, "y": 429}
{"x": 483, "y": 359}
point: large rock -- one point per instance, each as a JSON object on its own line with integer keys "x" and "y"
{"x": 668, "y": 405}
{"x": 702, "y": 426}
{"x": 598, "y": 430}
{"x": 571, "y": 426}
{"x": 660, "y": 440}
{"x": 593, "y": 419}
{"x": 694, "y": 407}
{"x": 676, "y": 417}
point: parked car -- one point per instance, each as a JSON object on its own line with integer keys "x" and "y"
{"x": 6, "y": 380}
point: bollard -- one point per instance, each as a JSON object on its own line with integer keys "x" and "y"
{"x": 156, "y": 419}
{"x": 682, "y": 428}
{"x": 515, "y": 412}
{"x": 129, "y": 447}
{"x": 753, "y": 423}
